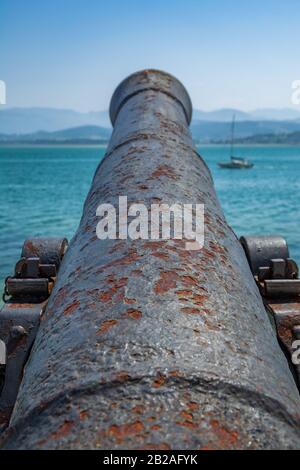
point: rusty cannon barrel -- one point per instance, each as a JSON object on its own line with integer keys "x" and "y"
{"x": 146, "y": 344}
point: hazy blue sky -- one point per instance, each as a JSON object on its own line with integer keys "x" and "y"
{"x": 72, "y": 53}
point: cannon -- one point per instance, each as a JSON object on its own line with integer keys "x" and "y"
{"x": 143, "y": 343}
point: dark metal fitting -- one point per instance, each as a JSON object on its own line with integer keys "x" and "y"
{"x": 282, "y": 287}
{"x": 48, "y": 250}
{"x": 18, "y": 327}
{"x": 277, "y": 278}
{"x": 261, "y": 250}
{"x": 17, "y": 331}
{"x": 278, "y": 269}
{"x": 29, "y": 289}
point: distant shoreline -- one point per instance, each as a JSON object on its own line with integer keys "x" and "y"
{"x": 47, "y": 145}
{"x": 248, "y": 145}
{"x": 104, "y": 145}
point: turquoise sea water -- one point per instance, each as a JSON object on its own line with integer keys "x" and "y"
{"x": 42, "y": 191}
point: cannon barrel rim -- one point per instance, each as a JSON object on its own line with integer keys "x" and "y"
{"x": 145, "y": 80}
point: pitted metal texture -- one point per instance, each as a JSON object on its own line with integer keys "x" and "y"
{"x": 144, "y": 344}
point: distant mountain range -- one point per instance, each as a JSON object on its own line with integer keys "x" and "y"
{"x": 46, "y": 125}
{"x": 264, "y": 114}
{"x": 204, "y": 131}
{"x": 293, "y": 138}
{"x": 80, "y": 135}
{"x": 30, "y": 120}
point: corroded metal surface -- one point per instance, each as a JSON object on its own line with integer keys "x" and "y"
{"x": 48, "y": 250}
{"x": 25, "y": 295}
{"x": 260, "y": 250}
{"x": 145, "y": 344}
{"x": 18, "y": 327}
{"x": 287, "y": 316}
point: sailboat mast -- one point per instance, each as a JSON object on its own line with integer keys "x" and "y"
{"x": 232, "y": 135}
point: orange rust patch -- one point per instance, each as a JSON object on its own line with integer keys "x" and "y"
{"x": 217, "y": 248}
{"x": 225, "y": 437}
{"x": 138, "y": 409}
{"x": 165, "y": 170}
{"x": 107, "y": 296}
{"x": 150, "y": 419}
{"x": 183, "y": 292}
{"x": 168, "y": 280}
{"x": 122, "y": 282}
{"x": 160, "y": 255}
{"x": 124, "y": 430}
{"x": 193, "y": 406}
{"x": 199, "y": 299}
{"x": 191, "y": 311}
{"x": 187, "y": 424}
{"x": 155, "y": 427}
{"x": 116, "y": 289}
{"x": 32, "y": 249}
{"x": 71, "y": 308}
{"x": 135, "y": 314}
{"x": 180, "y": 250}
{"x": 63, "y": 430}
{"x": 106, "y": 326}
{"x": 207, "y": 253}
{"x": 122, "y": 377}
{"x": 153, "y": 245}
{"x": 189, "y": 281}
{"x": 126, "y": 300}
{"x": 211, "y": 326}
{"x": 174, "y": 373}
{"x": 187, "y": 416}
{"x": 83, "y": 415}
{"x": 159, "y": 381}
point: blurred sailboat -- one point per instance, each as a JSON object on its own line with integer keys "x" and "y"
{"x": 235, "y": 163}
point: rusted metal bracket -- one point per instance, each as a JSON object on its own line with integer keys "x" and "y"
{"x": 25, "y": 297}
{"x": 277, "y": 278}
{"x": 18, "y": 327}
